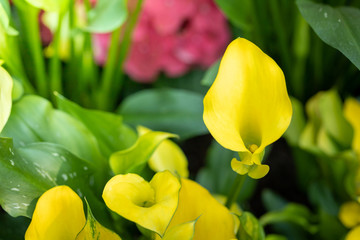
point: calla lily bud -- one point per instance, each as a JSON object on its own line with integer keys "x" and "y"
{"x": 247, "y": 108}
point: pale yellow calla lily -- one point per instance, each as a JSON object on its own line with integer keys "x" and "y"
{"x": 167, "y": 156}
{"x": 247, "y": 107}
{"x": 6, "y": 85}
{"x": 352, "y": 114}
{"x": 58, "y": 215}
{"x": 354, "y": 234}
{"x": 214, "y": 222}
{"x": 149, "y": 204}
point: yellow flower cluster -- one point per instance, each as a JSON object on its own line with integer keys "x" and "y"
{"x": 171, "y": 208}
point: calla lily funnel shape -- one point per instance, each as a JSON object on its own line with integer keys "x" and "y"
{"x": 247, "y": 107}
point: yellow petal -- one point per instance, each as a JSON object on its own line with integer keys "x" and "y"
{"x": 349, "y": 214}
{"x": 93, "y": 230}
{"x": 214, "y": 220}
{"x": 354, "y": 234}
{"x": 6, "y": 84}
{"x": 58, "y": 215}
{"x": 151, "y": 205}
{"x": 352, "y": 114}
{"x": 248, "y": 103}
{"x": 184, "y": 231}
{"x": 167, "y": 156}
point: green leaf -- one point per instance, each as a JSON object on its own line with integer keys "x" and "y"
{"x": 6, "y": 85}
{"x": 210, "y": 74}
{"x": 51, "y": 5}
{"x": 109, "y": 130}
{"x": 338, "y": 27}
{"x": 236, "y": 11}
{"x": 169, "y": 110}
{"x": 93, "y": 230}
{"x": 27, "y": 172}
{"x": 250, "y": 228}
{"x": 12, "y": 228}
{"x": 292, "y": 213}
{"x": 33, "y": 119}
{"x": 107, "y": 16}
{"x": 134, "y": 158}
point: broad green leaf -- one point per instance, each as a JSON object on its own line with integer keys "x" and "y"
{"x": 338, "y": 27}
{"x": 169, "y": 110}
{"x": 27, "y": 172}
{"x": 107, "y": 16}
{"x": 210, "y": 74}
{"x": 275, "y": 237}
{"x": 250, "y": 228}
{"x": 33, "y": 119}
{"x": 51, "y": 5}
{"x": 6, "y": 85}
{"x": 134, "y": 158}
{"x": 292, "y": 213}
{"x": 109, "y": 130}
{"x": 93, "y": 230}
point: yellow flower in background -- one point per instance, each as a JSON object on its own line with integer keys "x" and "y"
{"x": 352, "y": 114}
{"x": 167, "y": 156}
{"x": 214, "y": 221}
{"x": 59, "y": 215}
{"x": 349, "y": 215}
{"x": 247, "y": 108}
{"x": 149, "y": 204}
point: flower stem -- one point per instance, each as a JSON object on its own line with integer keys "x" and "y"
{"x": 55, "y": 64}
{"x": 235, "y": 190}
{"x": 30, "y": 25}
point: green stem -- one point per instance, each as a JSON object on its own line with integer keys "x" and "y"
{"x": 30, "y": 25}
{"x": 257, "y": 28}
{"x": 111, "y": 88}
{"x": 55, "y": 63}
{"x": 109, "y": 69}
{"x": 235, "y": 190}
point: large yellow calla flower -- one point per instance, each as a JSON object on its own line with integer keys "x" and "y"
{"x": 247, "y": 107}
{"x": 214, "y": 221}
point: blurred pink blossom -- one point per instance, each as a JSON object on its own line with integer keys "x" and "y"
{"x": 171, "y": 36}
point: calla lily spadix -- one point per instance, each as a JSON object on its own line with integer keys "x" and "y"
{"x": 247, "y": 108}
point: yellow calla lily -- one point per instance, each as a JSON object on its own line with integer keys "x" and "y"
{"x": 149, "y": 204}
{"x": 58, "y": 214}
{"x": 247, "y": 107}
{"x": 6, "y": 85}
{"x": 349, "y": 214}
{"x": 167, "y": 156}
{"x": 354, "y": 234}
{"x": 352, "y": 114}
{"x": 214, "y": 220}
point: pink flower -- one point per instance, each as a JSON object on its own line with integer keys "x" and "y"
{"x": 172, "y": 36}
